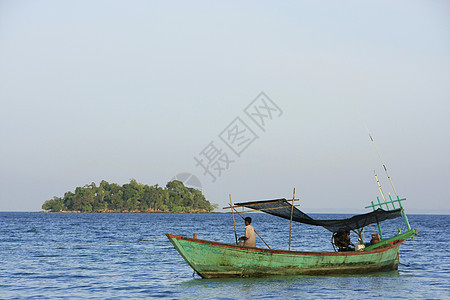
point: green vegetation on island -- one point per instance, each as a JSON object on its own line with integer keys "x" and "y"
{"x": 131, "y": 197}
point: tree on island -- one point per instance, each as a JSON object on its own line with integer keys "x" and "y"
{"x": 131, "y": 197}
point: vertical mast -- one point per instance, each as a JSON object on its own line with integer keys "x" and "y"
{"x": 387, "y": 173}
{"x": 379, "y": 187}
{"x": 382, "y": 162}
{"x": 378, "y": 152}
{"x": 234, "y": 222}
{"x": 292, "y": 212}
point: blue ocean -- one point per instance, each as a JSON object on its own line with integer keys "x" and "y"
{"x": 116, "y": 256}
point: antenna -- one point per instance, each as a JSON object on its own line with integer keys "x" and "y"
{"x": 376, "y": 149}
{"x": 379, "y": 186}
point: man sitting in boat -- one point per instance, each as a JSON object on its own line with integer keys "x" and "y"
{"x": 342, "y": 240}
{"x": 249, "y": 238}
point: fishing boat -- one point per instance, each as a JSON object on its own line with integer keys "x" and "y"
{"x": 215, "y": 260}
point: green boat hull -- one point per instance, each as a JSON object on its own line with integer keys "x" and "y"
{"x": 216, "y": 260}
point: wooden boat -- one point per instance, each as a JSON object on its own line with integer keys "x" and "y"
{"x": 215, "y": 260}
{"x": 212, "y": 260}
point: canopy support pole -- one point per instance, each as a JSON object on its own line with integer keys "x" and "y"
{"x": 378, "y": 223}
{"x": 361, "y": 235}
{"x": 292, "y": 212}
{"x": 234, "y": 221}
{"x": 403, "y": 212}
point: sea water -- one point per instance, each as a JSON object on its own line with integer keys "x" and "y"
{"x": 75, "y": 256}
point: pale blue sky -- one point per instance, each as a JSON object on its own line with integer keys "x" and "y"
{"x": 113, "y": 90}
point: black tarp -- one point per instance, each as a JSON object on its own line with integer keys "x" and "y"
{"x": 282, "y": 208}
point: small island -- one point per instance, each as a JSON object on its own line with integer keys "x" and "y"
{"x": 131, "y": 197}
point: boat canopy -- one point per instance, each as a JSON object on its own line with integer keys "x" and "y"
{"x": 282, "y": 208}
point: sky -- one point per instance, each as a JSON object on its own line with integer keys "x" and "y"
{"x": 252, "y": 98}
